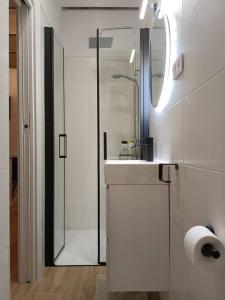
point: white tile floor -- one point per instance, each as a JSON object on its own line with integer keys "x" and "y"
{"x": 81, "y": 248}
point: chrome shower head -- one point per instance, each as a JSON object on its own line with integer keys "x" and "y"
{"x": 118, "y": 76}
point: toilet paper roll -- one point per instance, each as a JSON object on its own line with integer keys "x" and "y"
{"x": 195, "y": 239}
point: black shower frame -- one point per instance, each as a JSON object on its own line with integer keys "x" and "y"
{"x": 49, "y": 146}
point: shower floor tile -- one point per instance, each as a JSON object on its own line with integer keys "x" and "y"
{"x": 80, "y": 248}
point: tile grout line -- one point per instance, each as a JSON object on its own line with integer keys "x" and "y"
{"x": 193, "y": 13}
{"x": 203, "y": 169}
{"x": 193, "y": 91}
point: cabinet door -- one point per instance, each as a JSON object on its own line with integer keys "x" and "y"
{"x": 138, "y": 237}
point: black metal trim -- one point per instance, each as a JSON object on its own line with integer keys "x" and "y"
{"x": 64, "y": 111}
{"x": 98, "y": 144}
{"x": 144, "y": 88}
{"x": 64, "y": 136}
{"x": 160, "y": 175}
{"x": 49, "y": 146}
{"x": 113, "y": 8}
{"x": 105, "y": 145}
{"x": 99, "y": 149}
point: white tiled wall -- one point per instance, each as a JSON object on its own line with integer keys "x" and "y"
{"x": 81, "y": 128}
{"x": 190, "y": 130}
{"x": 4, "y": 154}
{"x": 81, "y": 108}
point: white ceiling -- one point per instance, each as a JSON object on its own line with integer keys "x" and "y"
{"x": 104, "y": 3}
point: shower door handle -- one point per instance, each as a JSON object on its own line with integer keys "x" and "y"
{"x": 63, "y": 141}
{"x": 105, "y": 145}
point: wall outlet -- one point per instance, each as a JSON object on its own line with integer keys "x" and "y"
{"x": 178, "y": 66}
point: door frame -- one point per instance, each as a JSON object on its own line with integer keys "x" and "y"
{"x": 27, "y": 211}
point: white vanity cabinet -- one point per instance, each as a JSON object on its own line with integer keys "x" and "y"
{"x": 137, "y": 227}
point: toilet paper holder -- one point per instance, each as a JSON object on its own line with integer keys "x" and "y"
{"x": 208, "y": 249}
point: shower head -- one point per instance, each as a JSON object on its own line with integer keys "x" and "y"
{"x": 118, "y": 76}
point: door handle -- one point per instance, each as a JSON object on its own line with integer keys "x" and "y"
{"x": 64, "y": 138}
{"x": 105, "y": 145}
{"x": 161, "y": 172}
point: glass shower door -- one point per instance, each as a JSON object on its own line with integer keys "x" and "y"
{"x": 60, "y": 149}
{"x": 55, "y": 148}
{"x": 118, "y": 105}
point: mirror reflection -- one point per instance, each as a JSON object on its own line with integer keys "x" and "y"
{"x": 158, "y": 57}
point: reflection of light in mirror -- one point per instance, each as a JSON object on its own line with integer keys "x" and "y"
{"x": 143, "y": 9}
{"x": 164, "y": 98}
{"x": 160, "y": 15}
{"x": 169, "y": 11}
{"x": 132, "y": 56}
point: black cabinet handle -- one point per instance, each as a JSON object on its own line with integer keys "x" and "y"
{"x": 64, "y": 155}
{"x": 161, "y": 172}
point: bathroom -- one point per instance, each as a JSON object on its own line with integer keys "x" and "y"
{"x": 129, "y": 164}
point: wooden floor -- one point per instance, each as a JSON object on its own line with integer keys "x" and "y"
{"x": 66, "y": 283}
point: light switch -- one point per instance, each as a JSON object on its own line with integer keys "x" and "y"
{"x": 178, "y": 66}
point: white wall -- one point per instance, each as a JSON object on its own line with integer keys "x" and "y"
{"x": 81, "y": 107}
{"x": 190, "y": 130}
{"x": 4, "y": 152}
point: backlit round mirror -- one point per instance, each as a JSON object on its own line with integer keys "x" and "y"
{"x": 160, "y": 53}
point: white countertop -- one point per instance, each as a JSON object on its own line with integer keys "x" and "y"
{"x": 132, "y": 162}
{"x": 132, "y": 172}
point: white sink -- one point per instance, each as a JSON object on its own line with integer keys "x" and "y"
{"x": 131, "y": 172}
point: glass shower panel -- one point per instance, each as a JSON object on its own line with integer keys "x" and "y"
{"x": 59, "y": 149}
{"x": 118, "y": 104}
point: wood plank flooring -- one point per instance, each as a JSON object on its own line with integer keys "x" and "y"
{"x": 69, "y": 283}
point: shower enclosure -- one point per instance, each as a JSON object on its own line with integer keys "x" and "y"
{"x": 122, "y": 116}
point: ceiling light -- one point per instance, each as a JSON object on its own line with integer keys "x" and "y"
{"x": 143, "y": 9}
{"x": 132, "y": 56}
{"x": 160, "y": 15}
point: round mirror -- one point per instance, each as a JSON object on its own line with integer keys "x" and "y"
{"x": 160, "y": 49}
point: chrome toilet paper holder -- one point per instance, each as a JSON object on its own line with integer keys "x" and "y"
{"x": 208, "y": 249}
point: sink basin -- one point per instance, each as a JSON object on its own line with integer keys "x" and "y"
{"x": 131, "y": 172}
